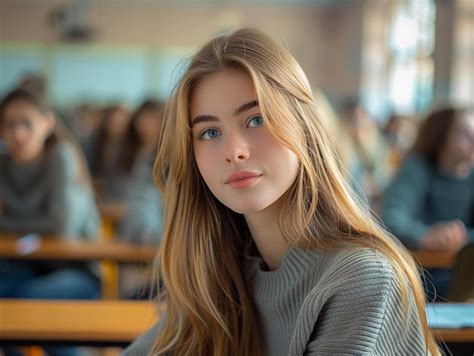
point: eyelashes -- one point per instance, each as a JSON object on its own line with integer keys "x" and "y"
{"x": 255, "y": 121}
{"x": 211, "y": 133}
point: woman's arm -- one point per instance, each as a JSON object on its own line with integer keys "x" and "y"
{"x": 363, "y": 313}
{"x": 142, "y": 223}
{"x": 404, "y": 202}
{"x": 49, "y": 216}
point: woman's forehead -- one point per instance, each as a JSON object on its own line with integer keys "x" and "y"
{"x": 221, "y": 93}
{"x": 22, "y": 106}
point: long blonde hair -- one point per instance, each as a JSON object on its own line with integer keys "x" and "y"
{"x": 209, "y": 308}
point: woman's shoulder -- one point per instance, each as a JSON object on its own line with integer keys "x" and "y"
{"x": 357, "y": 269}
{"x": 62, "y": 159}
{"x": 356, "y": 260}
{"x": 413, "y": 162}
{"x": 63, "y": 151}
{"x": 359, "y": 306}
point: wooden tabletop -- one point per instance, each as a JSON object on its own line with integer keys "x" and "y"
{"x": 455, "y": 335}
{"x": 434, "y": 259}
{"x": 103, "y": 322}
{"x": 54, "y": 248}
{"x": 58, "y": 249}
{"x": 80, "y": 322}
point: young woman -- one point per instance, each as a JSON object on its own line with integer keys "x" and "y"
{"x": 367, "y": 152}
{"x": 103, "y": 155}
{"x": 44, "y": 181}
{"x": 141, "y": 223}
{"x": 143, "y": 219}
{"x": 44, "y": 189}
{"x": 264, "y": 250}
{"x": 430, "y": 204}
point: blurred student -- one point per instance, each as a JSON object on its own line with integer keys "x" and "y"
{"x": 85, "y": 123}
{"x": 430, "y": 204}
{"x": 142, "y": 223}
{"x": 34, "y": 83}
{"x": 110, "y": 183}
{"x": 44, "y": 189}
{"x": 366, "y": 153}
{"x": 143, "y": 218}
{"x": 400, "y": 133}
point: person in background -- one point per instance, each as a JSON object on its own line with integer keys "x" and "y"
{"x": 142, "y": 223}
{"x": 34, "y": 83}
{"x": 400, "y": 133}
{"x": 366, "y": 152}
{"x": 44, "y": 189}
{"x": 430, "y": 203}
{"x": 85, "y": 123}
{"x": 143, "y": 218}
{"x": 111, "y": 184}
{"x": 264, "y": 250}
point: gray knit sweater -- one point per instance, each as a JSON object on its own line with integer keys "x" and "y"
{"x": 45, "y": 197}
{"x": 316, "y": 303}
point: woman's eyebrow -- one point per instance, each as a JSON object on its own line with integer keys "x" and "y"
{"x": 245, "y": 107}
{"x": 203, "y": 118}
{"x": 211, "y": 118}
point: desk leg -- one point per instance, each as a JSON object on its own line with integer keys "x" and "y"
{"x": 33, "y": 351}
{"x": 109, "y": 280}
{"x": 109, "y": 269}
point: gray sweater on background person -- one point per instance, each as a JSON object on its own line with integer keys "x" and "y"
{"x": 327, "y": 303}
{"x": 46, "y": 197}
{"x": 421, "y": 195}
{"x": 143, "y": 222}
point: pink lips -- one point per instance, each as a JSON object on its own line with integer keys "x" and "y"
{"x": 242, "y": 179}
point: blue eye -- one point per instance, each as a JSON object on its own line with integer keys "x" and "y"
{"x": 209, "y": 134}
{"x": 256, "y": 121}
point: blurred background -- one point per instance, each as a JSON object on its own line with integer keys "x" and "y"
{"x": 397, "y": 56}
{"x": 107, "y": 67}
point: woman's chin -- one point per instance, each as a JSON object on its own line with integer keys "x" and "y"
{"x": 248, "y": 208}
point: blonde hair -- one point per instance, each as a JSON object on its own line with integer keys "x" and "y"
{"x": 209, "y": 308}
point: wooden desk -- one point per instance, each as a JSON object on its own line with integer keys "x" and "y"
{"x": 50, "y": 248}
{"x": 110, "y": 323}
{"x": 57, "y": 249}
{"x": 455, "y": 335}
{"x": 455, "y": 342}
{"x": 100, "y": 323}
{"x": 434, "y": 259}
{"x": 108, "y": 253}
{"x": 113, "y": 211}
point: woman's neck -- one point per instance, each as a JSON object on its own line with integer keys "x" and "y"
{"x": 267, "y": 236}
{"x": 30, "y": 160}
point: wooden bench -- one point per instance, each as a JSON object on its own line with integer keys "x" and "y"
{"x": 105, "y": 323}
{"x": 110, "y": 253}
{"x": 434, "y": 259}
{"x": 57, "y": 249}
{"x": 52, "y": 248}
{"x": 93, "y": 323}
{"x": 49, "y": 248}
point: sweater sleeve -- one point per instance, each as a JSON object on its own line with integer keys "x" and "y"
{"x": 363, "y": 314}
{"x": 143, "y": 221}
{"x": 55, "y": 217}
{"x": 404, "y": 202}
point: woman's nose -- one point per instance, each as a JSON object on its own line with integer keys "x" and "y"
{"x": 237, "y": 149}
